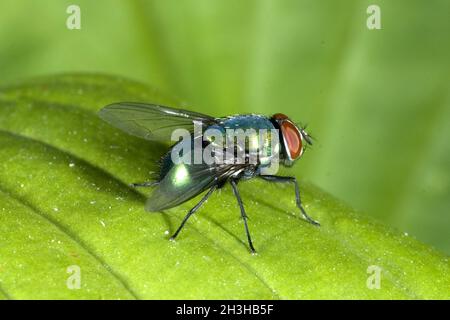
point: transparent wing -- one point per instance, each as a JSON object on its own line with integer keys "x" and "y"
{"x": 181, "y": 183}
{"x": 185, "y": 181}
{"x": 149, "y": 121}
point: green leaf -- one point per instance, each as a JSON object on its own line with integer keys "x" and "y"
{"x": 65, "y": 201}
{"x": 376, "y": 100}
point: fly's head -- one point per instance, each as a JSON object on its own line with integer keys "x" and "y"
{"x": 293, "y": 139}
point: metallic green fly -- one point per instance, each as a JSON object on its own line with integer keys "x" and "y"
{"x": 180, "y": 181}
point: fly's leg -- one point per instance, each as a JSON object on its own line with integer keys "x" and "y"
{"x": 145, "y": 184}
{"x": 193, "y": 210}
{"x": 244, "y": 216}
{"x": 297, "y": 194}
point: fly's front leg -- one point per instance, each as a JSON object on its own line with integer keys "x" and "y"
{"x": 297, "y": 194}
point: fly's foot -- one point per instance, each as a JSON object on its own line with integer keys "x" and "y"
{"x": 312, "y": 221}
{"x": 308, "y": 218}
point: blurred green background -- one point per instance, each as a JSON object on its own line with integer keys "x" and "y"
{"x": 377, "y": 101}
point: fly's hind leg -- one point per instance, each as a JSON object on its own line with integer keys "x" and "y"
{"x": 144, "y": 184}
{"x": 297, "y": 194}
{"x": 193, "y": 210}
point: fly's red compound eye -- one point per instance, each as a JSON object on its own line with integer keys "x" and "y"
{"x": 292, "y": 139}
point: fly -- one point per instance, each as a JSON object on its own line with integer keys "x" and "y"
{"x": 179, "y": 182}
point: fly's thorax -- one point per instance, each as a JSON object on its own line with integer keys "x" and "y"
{"x": 237, "y": 140}
{"x": 254, "y": 137}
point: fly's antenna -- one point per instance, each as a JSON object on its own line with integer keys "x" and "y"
{"x": 305, "y": 135}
